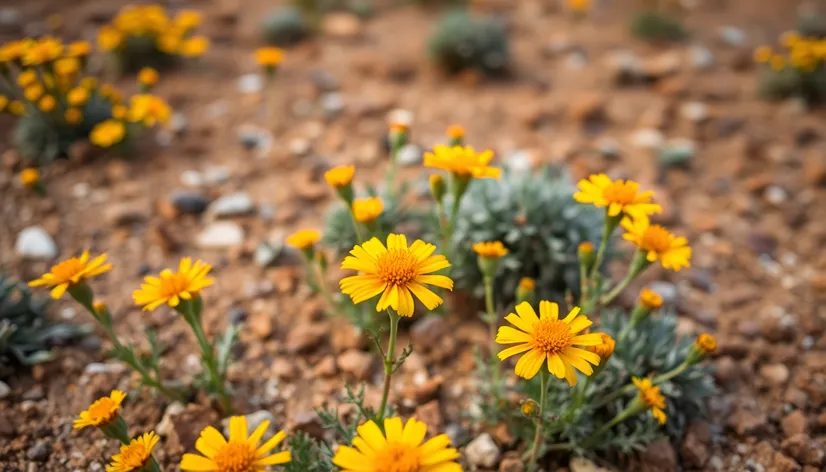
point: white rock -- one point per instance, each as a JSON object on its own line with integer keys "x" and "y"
{"x": 775, "y": 195}
{"x": 253, "y": 420}
{"x": 36, "y": 244}
{"x": 234, "y": 204}
{"x": 409, "y": 155}
{"x": 165, "y": 426}
{"x": 5, "y": 390}
{"x": 648, "y": 138}
{"x": 250, "y": 83}
{"x": 482, "y": 451}
{"x": 581, "y": 464}
{"x": 81, "y": 190}
{"x": 694, "y": 111}
{"x": 192, "y": 178}
{"x": 178, "y": 124}
{"x": 220, "y": 235}
{"x": 732, "y": 36}
{"x": 332, "y": 103}
{"x": 700, "y": 58}
{"x": 104, "y": 368}
{"x": 216, "y": 175}
{"x": 299, "y": 147}
{"x": 521, "y": 161}
{"x": 400, "y": 116}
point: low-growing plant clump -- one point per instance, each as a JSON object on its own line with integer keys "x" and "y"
{"x": 462, "y": 41}
{"x": 798, "y": 70}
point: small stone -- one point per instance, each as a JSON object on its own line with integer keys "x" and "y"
{"x": 266, "y": 254}
{"x": 624, "y": 67}
{"x": 219, "y": 175}
{"x": 608, "y": 147}
{"x": 661, "y": 66}
{"x": 430, "y": 414}
{"x": 659, "y": 456}
{"x": 409, "y": 155}
{"x": 178, "y": 124}
{"x": 356, "y": 363}
{"x": 341, "y": 25}
{"x": 511, "y": 464}
{"x": 165, "y": 426}
{"x": 332, "y": 103}
{"x": 300, "y": 147}
{"x": 677, "y": 153}
{"x": 695, "y": 112}
{"x": 482, "y": 451}
{"x": 192, "y": 178}
{"x": 305, "y": 337}
{"x": 747, "y": 423}
{"x": 775, "y": 374}
{"x": 428, "y": 332}
{"x": 805, "y": 450}
{"x": 188, "y": 202}
{"x": 220, "y": 235}
{"x": 95, "y": 368}
{"x": 775, "y": 195}
{"x": 648, "y": 138}
{"x": 700, "y": 58}
{"x": 5, "y": 390}
{"x": 261, "y": 325}
{"x": 794, "y": 423}
{"x": 457, "y": 434}
{"x": 732, "y": 36}
{"x": 581, "y": 464}
{"x": 127, "y": 213}
{"x": 695, "y": 450}
{"x": 308, "y": 422}
{"x": 36, "y": 244}
{"x": 40, "y": 452}
{"x": 784, "y": 463}
{"x": 250, "y": 83}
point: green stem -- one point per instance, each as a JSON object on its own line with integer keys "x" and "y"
{"x": 670, "y": 374}
{"x": 615, "y": 394}
{"x": 610, "y": 224}
{"x": 208, "y": 355}
{"x": 356, "y": 226}
{"x": 440, "y": 209}
{"x": 491, "y": 315}
{"x": 537, "y": 438}
{"x": 153, "y": 465}
{"x": 389, "y": 361}
{"x": 315, "y": 272}
{"x": 618, "y": 289}
{"x": 617, "y": 419}
{"x": 394, "y": 164}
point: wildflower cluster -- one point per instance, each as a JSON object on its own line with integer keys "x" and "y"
{"x": 57, "y": 103}
{"x": 798, "y": 69}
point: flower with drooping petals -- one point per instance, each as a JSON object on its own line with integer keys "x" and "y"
{"x": 617, "y": 196}
{"x": 71, "y": 272}
{"x": 399, "y": 449}
{"x": 462, "y": 161}
{"x": 651, "y": 397}
{"x": 241, "y": 453}
{"x": 397, "y": 272}
{"x": 658, "y": 243}
{"x": 548, "y": 338}
{"x": 172, "y": 287}
{"x": 134, "y": 456}
{"x": 102, "y": 412}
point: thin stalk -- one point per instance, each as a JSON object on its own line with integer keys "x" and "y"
{"x": 606, "y": 299}
{"x": 537, "y": 438}
{"x": 208, "y": 354}
{"x": 491, "y": 315}
{"x": 389, "y": 361}
{"x": 615, "y": 394}
{"x": 356, "y": 226}
{"x": 607, "y": 229}
{"x": 670, "y": 374}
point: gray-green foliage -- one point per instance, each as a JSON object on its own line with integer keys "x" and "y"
{"x": 809, "y": 86}
{"x": 285, "y": 26}
{"x": 811, "y": 24}
{"x": 657, "y": 26}
{"x": 461, "y": 41}
{"x": 308, "y": 454}
{"x": 26, "y": 335}
{"x": 536, "y": 218}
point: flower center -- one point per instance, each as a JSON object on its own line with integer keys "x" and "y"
{"x": 652, "y": 398}
{"x": 551, "y": 336}
{"x": 68, "y": 269}
{"x": 174, "y": 284}
{"x": 656, "y": 238}
{"x": 397, "y": 458}
{"x": 102, "y": 410}
{"x": 235, "y": 457}
{"x": 619, "y": 192}
{"x": 397, "y": 267}
{"x": 135, "y": 456}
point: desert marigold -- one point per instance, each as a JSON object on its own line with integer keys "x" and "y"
{"x": 134, "y": 456}
{"x": 400, "y": 449}
{"x": 790, "y": 38}
{"x": 30, "y": 177}
{"x": 40, "y": 52}
{"x": 455, "y": 132}
{"x": 651, "y": 397}
{"x": 397, "y": 272}
{"x": 169, "y": 43}
{"x": 78, "y": 96}
{"x": 26, "y": 78}
{"x": 241, "y": 453}
{"x": 148, "y": 76}
{"x": 269, "y": 57}
{"x": 706, "y": 343}
{"x": 188, "y": 19}
{"x": 366, "y": 210}
{"x": 658, "y": 243}
{"x": 102, "y": 412}
{"x": 763, "y": 54}
{"x": 107, "y": 133}
{"x": 650, "y": 299}
{"x": 462, "y": 161}
{"x": 778, "y": 62}
{"x": 109, "y": 38}
{"x": 194, "y": 46}
{"x": 172, "y": 287}
{"x": 303, "y": 239}
{"x": 71, "y": 272}
{"x": 47, "y": 104}
{"x": 618, "y": 197}
{"x": 119, "y": 112}
{"x": 89, "y": 83}
{"x": 149, "y": 110}
{"x": 17, "y": 108}
{"x": 490, "y": 250}
{"x": 527, "y": 283}
{"x": 340, "y": 176}
{"x": 33, "y": 92}
{"x": 579, "y": 5}
{"x": 606, "y": 349}
{"x": 79, "y": 49}
{"x": 66, "y": 66}
{"x": 548, "y": 338}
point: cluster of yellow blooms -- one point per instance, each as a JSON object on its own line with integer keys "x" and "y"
{"x": 802, "y": 53}
{"x": 51, "y": 81}
{"x": 172, "y": 36}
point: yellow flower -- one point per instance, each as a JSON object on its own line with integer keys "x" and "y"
{"x": 15, "y": 50}
{"x": 109, "y": 38}
{"x": 66, "y": 66}
{"x": 148, "y": 76}
{"x": 109, "y": 91}
{"x": 33, "y": 93}
{"x": 71, "y": 272}
{"x": 194, "y": 47}
{"x": 4, "y": 102}
{"x": 172, "y": 287}
{"x": 763, "y": 54}
{"x": 169, "y": 43}
{"x": 240, "y": 454}
{"x": 89, "y": 83}
{"x": 650, "y": 299}
{"x": 269, "y": 57}
{"x": 303, "y": 239}
{"x": 462, "y": 161}
{"x": 17, "y": 108}
{"x": 47, "y": 104}
{"x": 73, "y": 116}
{"x": 527, "y": 283}
{"x": 43, "y": 51}
{"x": 77, "y": 96}
{"x": 149, "y": 110}
{"x": 651, "y": 397}
{"x": 455, "y": 132}
{"x": 26, "y": 78}
{"x": 102, "y": 412}
{"x": 706, "y": 343}
{"x": 778, "y": 62}
{"x": 790, "y": 38}
{"x": 135, "y": 456}
{"x": 397, "y": 272}
{"x": 617, "y": 196}
{"x": 79, "y": 49}
{"x": 119, "y": 112}
{"x": 673, "y": 252}
{"x": 490, "y": 250}
{"x": 366, "y": 210}
{"x": 340, "y": 176}
{"x": 107, "y": 133}
{"x": 606, "y": 349}
{"x": 30, "y": 177}
{"x": 548, "y": 337}
{"x": 579, "y": 5}
{"x": 401, "y": 449}
{"x": 188, "y": 19}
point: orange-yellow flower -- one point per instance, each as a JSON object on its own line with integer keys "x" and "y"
{"x": 79, "y": 49}
{"x": 45, "y": 50}
{"x": 462, "y": 161}
{"x": 365, "y": 210}
{"x": 706, "y": 343}
{"x": 490, "y": 250}
{"x": 650, "y": 299}
{"x": 194, "y": 46}
{"x": 269, "y": 57}
{"x": 303, "y": 239}
{"x": 107, "y": 133}
{"x": 619, "y": 197}
{"x": 339, "y": 177}
{"x": 455, "y": 132}
{"x": 148, "y": 76}
{"x": 658, "y": 243}
{"x": 651, "y": 397}
{"x": 133, "y": 457}
{"x": 547, "y": 338}
{"x": 71, "y": 272}
{"x": 30, "y": 177}
{"x": 172, "y": 287}
{"x": 397, "y": 272}
{"x": 606, "y": 349}
{"x": 241, "y": 453}
{"x": 102, "y": 412}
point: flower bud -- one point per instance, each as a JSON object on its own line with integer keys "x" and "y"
{"x": 456, "y": 135}
{"x": 585, "y": 251}
{"x": 438, "y": 188}
{"x": 525, "y": 290}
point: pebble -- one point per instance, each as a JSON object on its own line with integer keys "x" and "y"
{"x": 700, "y": 58}
{"x": 666, "y": 290}
{"x": 332, "y": 103}
{"x": 81, "y": 190}
{"x": 104, "y": 368}
{"x": 10, "y": 17}
{"x": 36, "y": 244}
{"x": 219, "y": 175}
{"x": 677, "y": 152}
{"x": 695, "y": 112}
{"x": 253, "y": 421}
{"x": 648, "y": 138}
{"x": 341, "y": 25}
{"x": 775, "y": 195}
{"x": 300, "y": 147}
{"x": 220, "y": 235}
{"x": 356, "y": 363}
{"x": 165, "y": 426}
{"x": 409, "y": 155}
{"x": 189, "y": 202}
{"x": 732, "y": 36}
{"x": 482, "y": 451}
{"x": 234, "y": 204}
{"x": 40, "y": 452}
{"x": 178, "y": 124}
{"x": 266, "y": 254}
{"x": 581, "y": 464}
{"x": 192, "y": 178}
{"x": 127, "y": 213}
{"x": 5, "y": 390}
{"x": 324, "y": 80}
{"x": 624, "y": 67}
{"x": 775, "y": 374}
{"x": 250, "y": 83}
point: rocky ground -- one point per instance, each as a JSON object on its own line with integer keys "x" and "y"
{"x": 226, "y": 178}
